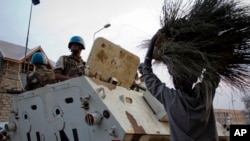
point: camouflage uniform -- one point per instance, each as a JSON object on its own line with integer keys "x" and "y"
{"x": 40, "y": 78}
{"x": 70, "y": 65}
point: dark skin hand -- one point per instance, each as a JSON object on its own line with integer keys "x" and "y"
{"x": 149, "y": 55}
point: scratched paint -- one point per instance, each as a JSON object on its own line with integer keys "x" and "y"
{"x": 137, "y": 129}
{"x": 99, "y": 82}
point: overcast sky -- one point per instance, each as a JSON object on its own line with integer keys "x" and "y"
{"x": 53, "y": 22}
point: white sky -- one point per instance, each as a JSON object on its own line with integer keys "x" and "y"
{"x": 53, "y": 22}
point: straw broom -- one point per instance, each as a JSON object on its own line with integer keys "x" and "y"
{"x": 211, "y": 36}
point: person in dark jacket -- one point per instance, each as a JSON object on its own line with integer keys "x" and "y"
{"x": 189, "y": 109}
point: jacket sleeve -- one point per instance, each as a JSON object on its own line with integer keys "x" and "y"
{"x": 153, "y": 83}
{"x": 156, "y": 87}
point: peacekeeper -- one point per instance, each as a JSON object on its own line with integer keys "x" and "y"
{"x": 42, "y": 76}
{"x": 71, "y": 66}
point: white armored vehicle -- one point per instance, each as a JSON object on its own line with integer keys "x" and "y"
{"x": 97, "y": 107}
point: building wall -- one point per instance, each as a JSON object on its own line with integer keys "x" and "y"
{"x": 5, "y": 106}
{"x": 236, "y": 116}
{"x": 9, "y": 80}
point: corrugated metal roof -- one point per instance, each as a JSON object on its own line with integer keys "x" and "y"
{"x": 16, "y": 53}
{"x": 12, "y": 51}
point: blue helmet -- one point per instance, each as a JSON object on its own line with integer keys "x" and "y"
{"x": 39, "y": 58}
{"x": 77, "y": 39}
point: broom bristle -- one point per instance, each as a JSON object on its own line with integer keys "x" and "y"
{"x": 212, "y": 34}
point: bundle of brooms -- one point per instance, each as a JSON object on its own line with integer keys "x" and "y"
{"x": 211, "y": 36}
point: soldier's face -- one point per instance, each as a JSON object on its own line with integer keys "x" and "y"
{"x": 75, "y": 48}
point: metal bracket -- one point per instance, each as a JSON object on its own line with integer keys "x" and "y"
{"x": 99, "y": 90}
{"x": 85, "y": 102}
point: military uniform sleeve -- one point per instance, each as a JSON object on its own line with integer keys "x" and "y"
{"x": 60, "y": 64}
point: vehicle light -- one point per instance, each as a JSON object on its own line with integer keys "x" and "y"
{"x": 94, "y": 118}
{"x": 113, "y": 131}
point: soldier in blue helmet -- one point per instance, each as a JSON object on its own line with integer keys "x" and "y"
{"x": 71, "y": 66}
{"x": 42, "y": 75}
